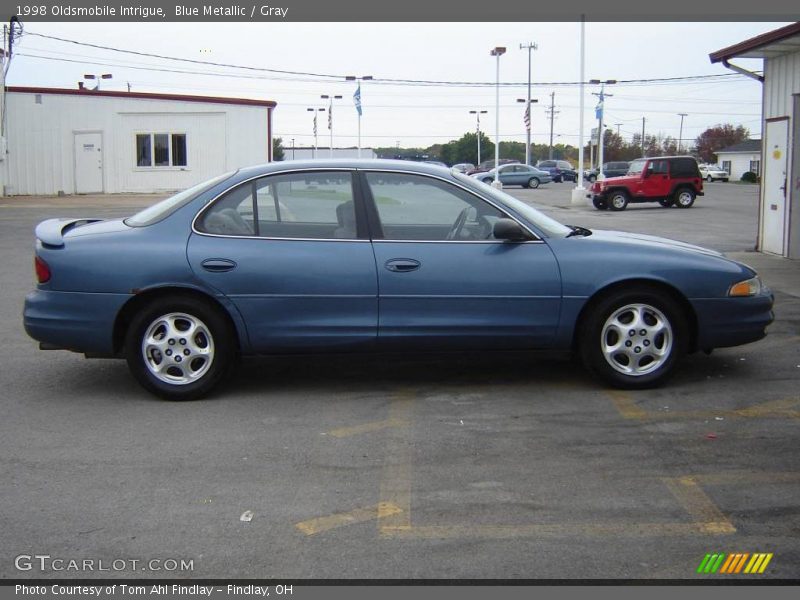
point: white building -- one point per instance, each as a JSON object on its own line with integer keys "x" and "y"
{"x": 78, "y": 141}
{"x": 779, "y": 212}
{"x": 741, "y": 158}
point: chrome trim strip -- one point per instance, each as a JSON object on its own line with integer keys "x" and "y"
{"x": 353, "y": 171}
{"x": 499, "y": 242}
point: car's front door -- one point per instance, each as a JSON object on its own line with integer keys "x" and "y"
{"x": 289, "y": 252}
{"x": 655, "y": 183}
{"x": 444, "y": 280}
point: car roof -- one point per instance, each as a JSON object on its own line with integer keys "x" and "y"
{"x": 343, "y": 163}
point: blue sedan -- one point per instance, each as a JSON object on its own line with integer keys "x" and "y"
{"x": 374, "y": 256}
{"x": 517, "y": 174}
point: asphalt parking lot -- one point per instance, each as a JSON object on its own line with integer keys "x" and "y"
{"x": 455, "y": 467}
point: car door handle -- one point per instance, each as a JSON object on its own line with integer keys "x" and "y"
{"x": 218, "y": 265}
{"x": 402, "y": 265}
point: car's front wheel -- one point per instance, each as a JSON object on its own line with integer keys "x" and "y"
{"x": 633, "y": 339}
{"x": 709, "y": 179}
{"x": 666, "y": 202}
{"x": 599, "y": 204}
{"x": 180, "y": 348}
{"x": 533, "y": 182}
{"x": 618, "y": 200}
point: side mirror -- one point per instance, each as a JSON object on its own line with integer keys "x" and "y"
{"x": 509, "y": 230}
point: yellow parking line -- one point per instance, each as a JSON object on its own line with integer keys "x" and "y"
{"x": 740, "y": 477}
{"x": 625, "y": 405}
{"x": 364, "y": 428}
{"x": 359, "y": 515}
{"x": 395, "y": 489}
{"x": 697, "y": 503}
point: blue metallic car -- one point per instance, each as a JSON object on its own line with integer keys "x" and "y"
{"x": 516, "y": 174}
{"x": 368, "y": 256}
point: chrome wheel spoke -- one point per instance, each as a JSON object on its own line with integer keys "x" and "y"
{"x": 177, "y": 348}
{"x": 636, "y": 339}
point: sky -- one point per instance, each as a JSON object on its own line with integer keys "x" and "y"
{"x": 417, "y": 115}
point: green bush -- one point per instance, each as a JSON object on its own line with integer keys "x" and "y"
{"x": 749, "y": 177}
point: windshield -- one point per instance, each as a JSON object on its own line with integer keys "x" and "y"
{"x": 547, "y": 225}
{"x": 636, "y": 167}
{"x": 161, "y": 210}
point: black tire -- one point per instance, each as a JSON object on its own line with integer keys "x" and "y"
{"x": 618, "y": 200}
{"x": 599, "y": 331}
{"x": 199, "y": 374}
{"x": 533, "y": 183}
{"x": 488, "y": 180}
{"x": 599, "y": 204}
{"x": 709, "y": 179}
{"x": 592, "y": 178}
{"x": 666, "y": 202}
{"x": 684, "y": 197}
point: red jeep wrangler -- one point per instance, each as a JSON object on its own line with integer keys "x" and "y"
{"x": 668, "y": 180}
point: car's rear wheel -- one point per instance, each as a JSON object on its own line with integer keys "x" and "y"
{"x": 592, "y": 178}
{"x": 634, "y": 338}
{"x": 684, "y": 198}
{"x": 709, "y": 179}
{"x": 618, "y": 200}
{"x": 599, "y": 204}
{"x": 533, "y": 182}
{"x": 180, "y": 348}
{"x": 666, "y": 202}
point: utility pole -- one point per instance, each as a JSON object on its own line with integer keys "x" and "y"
{"x": 643, "y": 120}
{"x": 680, "y": 134}
{"x": 552, "y": 110}
{"x": 530, "y": 46}
{"x": 618, "y": 126}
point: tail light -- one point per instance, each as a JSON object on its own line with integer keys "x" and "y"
{"x": 42, "y": 270}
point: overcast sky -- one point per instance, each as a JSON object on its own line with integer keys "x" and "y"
{"x": 418, "y": 115}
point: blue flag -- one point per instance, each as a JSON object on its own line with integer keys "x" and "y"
{"x": 357, "y": 99}
{"x": 598, "y": 110}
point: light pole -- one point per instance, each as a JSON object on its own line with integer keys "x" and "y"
{"x": 478, "y": 114}
{"x": 530, "y": 46}
{"x": 315, "y": 111}
{"x": 599, "y": 114}
{"x": 578, "y": 193}
{"x": 98, "y": 78}
{"x": 330, "y": 114}
{"x": 357, "y": 102}
{"x": 497, "y": 52}
{"x": 292, "y": 148}
{"x": 527, "y": 119}
{"x": 680, "y": 134}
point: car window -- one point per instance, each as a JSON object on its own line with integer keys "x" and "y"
{"x": 658, "y": 167}
{"x": 564, "y": 165}
{"x": 305, "y": 205}
{"x": 414, "y": 207}
{"x": 636, "y": 167}
{"x": 546, "y": 164}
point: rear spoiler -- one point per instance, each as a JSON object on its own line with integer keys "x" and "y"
{"x": 51, "y": 232}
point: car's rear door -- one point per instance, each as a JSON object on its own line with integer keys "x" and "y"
{"x": 444, "y": 281}
{"x": 293, "y": 256}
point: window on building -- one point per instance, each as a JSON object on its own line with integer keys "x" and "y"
{"x": 755, "y": 166}
{"x": 726, "y": 166}
{"x": 161, "y": 150}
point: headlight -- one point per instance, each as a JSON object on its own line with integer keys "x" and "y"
{"x": 750, "y": 287}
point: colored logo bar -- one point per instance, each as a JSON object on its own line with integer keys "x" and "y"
{"x": 735, "y": 563}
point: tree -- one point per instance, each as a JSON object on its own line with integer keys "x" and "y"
{"x": 718, "y": 137}
{"x": 277, "y": 149}
{"x": 465, "y": 149}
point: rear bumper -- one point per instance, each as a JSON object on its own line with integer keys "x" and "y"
{"x": 725, "y": 322}
{"x": 73, "y": 320}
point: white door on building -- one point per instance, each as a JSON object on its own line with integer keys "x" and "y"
{"x": 773, "y": 209}
{"x": 88, "y": 163}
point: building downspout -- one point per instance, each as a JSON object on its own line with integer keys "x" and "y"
{"x": 741, "y": 71}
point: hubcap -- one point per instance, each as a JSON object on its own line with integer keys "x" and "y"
{"x": 685, "y": 198}
{"x": 177, "y": 348}
{"x": 618, "y": 201}
{"x": 636, "y": 339}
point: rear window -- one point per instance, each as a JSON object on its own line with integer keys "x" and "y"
{"x": 161, "y": 210}
{"x": 684, "y": 167}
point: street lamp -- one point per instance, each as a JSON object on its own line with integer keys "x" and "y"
{"x": 292, "y": 148}
{"x": 98, "y": 78}
{"x": 680, "y": 134}
{"x": 599, "y": 114}
{"x": 357, "y": 102}
{"x": 478, "y": 114}
{"x": 330, "y": 114}
{"x": 530, "y": 46}
{"x": 527, "y": 120}
{"x": 497, "y": 52}
{"x": 315, "y": 111}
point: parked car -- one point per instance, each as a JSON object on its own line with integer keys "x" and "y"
{"x": 370, "y": 255}
{"x": 516, "y": 174}
{"x": 464, "y": 167}
{"x": 488, "y": 165}
{"x": 714, "y": 173}
{"x": 560, "y": 170}
{"x": 610, "y": 169}
{"x": 668, "y": 180}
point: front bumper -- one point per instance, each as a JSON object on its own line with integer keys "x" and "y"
{"x": 725, "y": 322}
{"x": 74, "y": 321}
